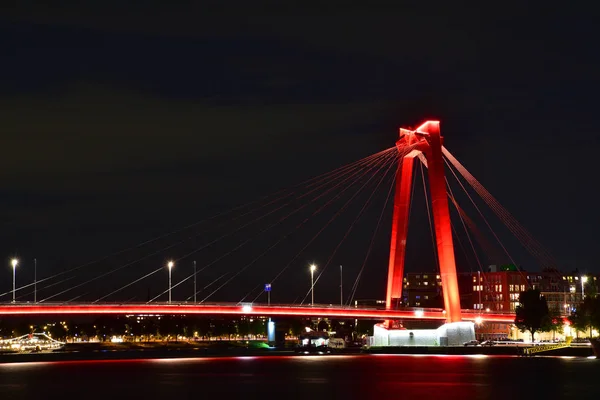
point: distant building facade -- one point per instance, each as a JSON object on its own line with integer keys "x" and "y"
{"x": 497, "y": 290}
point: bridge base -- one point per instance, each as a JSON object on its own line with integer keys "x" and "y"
{"x": 450, "y": 334}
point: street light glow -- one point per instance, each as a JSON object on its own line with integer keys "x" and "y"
{"x": 14, "y": 263}
{"x": 478, "y": 320}
{"x": 170, "y": 265}
{"x": 584, "y": 279}
{"x": 313, "y": 267}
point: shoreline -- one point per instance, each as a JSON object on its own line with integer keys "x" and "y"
{"x": 102, "y": 354}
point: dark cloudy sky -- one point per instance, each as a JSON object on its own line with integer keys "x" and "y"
{"x": 123, "y": 122}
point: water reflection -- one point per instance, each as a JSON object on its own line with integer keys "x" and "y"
{"x": 310, "y": 377}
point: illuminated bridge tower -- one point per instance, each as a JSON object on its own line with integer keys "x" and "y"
{"x": 424, "y": 142}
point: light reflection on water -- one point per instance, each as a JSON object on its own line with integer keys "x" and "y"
{"x": 314, "y": 377}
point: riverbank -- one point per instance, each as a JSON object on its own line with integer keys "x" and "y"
{"x": 159, "y": 350}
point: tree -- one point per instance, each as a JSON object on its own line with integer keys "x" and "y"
{"x": 587, "y": 315}
{"x": 556, "y": 324}
{"x": 532, "y": 313}
{"x": 296, "y": 327}
{"x": 322, "y": 326}
{"x": 258, "y": 327}
{"x": 57, "y": 331}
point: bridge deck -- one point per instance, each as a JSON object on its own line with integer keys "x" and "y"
{"x": 238, "y": 309}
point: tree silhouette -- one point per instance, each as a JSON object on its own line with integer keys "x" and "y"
{"x": 587, "y": 315}
{"x": 532, "y": 313}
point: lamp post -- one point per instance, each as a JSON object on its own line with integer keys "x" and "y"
{"x": 195, "y": 282}
{"x": 341, "y": 288}
{"x": 583, "y": 281}
{"x": 35, "y": 280}
{"x": 313, "y": 267}
{"x": 268, "y": 290}
{"x": 14, "y": 262}
{"x": 170, "y": 265}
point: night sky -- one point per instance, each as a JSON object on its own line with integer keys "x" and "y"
{"x": 122, "y": 123}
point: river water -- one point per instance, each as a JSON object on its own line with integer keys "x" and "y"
{"x": 307, "y": 377}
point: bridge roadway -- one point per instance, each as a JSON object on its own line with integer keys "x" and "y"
{"x": 318, "y": 310}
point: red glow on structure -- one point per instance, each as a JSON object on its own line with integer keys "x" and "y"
{"x": 174, "y": 309}
{"x": 399, "y": 230}
{"x": 427, "y": 140}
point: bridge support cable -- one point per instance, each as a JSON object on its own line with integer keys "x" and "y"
{"x": 199, "y": 291}
{"x": 377, "y": 159}
{"x": 462, "y": 216}
{"x": 519, "y": 237}
{"x": 489, "y": 250}
{"x": 481, "y": 214}
{"x": 531, "y": 244}
{"x": 483, "y": 217}
{"x": 309, "y": 183}
{"x": 429, "y": 216}
{"x": 127, "y": 285}
{"x": 44, "y": 288}
{"x": 362, "y": 268}
{"x": 388, "y": 161}
{"x": 360, "y": 213}
{"x": 293, "y": 259}
{"x": 502, "y": 213}
{"x": 252, "y": 291}
{"x": 481, "y": 239}
{"x": 459, "y": 210}
{"x": 462, "y": 247}
{"x": 373, "y": 165}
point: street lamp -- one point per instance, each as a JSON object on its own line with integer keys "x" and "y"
{"x": 170, "y": 265}
{"x": 313, "y": 267}
{"x": 14, "y": 262}
{"x": 583, "y": 280}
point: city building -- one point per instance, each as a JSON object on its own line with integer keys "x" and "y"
{"x": 422, "y": 290}
{"x": 497, "y": 289}
{"x": 369, "y": 303}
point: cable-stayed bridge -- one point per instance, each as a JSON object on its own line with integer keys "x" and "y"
{"x": 292, "y": 224}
